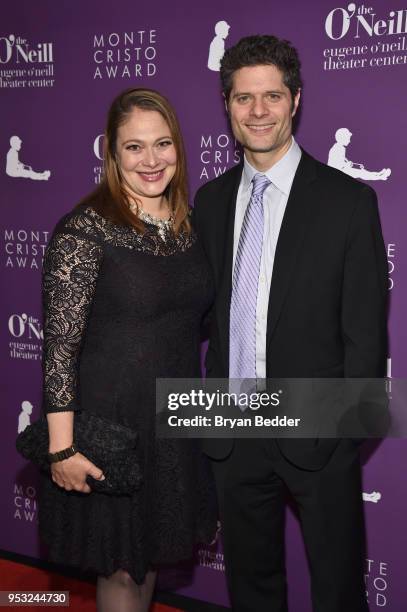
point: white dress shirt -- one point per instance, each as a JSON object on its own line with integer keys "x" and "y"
{"x": 275, "y": 200}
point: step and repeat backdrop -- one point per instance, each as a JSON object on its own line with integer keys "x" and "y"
{"x": 61, "y": 64}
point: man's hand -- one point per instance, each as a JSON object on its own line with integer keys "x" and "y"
{"x": 71, "y": 473}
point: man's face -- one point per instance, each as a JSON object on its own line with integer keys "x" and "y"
{"x": 261, "y": 111}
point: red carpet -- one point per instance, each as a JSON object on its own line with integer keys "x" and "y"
{"x": 18, "y": 577}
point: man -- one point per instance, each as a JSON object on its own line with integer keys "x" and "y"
{"x": 301, "y": 277}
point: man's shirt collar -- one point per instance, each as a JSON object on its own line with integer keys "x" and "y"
{"x": 281, "y": 174}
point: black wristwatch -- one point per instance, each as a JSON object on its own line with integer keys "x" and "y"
{"x": 62, "y": 454}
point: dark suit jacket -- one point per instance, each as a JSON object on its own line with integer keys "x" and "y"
{"x": 328, "y": 296}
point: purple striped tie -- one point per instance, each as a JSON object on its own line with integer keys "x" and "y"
{"x": 242, "y": 354}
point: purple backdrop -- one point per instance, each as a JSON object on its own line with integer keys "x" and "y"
{"x": 60, "y": 66}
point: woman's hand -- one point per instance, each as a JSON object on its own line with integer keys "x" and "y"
{"x": 71, "y": 473}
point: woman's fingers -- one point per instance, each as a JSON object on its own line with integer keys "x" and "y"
{"x": 70, "y": 474}
{"x": 95, "y": 472}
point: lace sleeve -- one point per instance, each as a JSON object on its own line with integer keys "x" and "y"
{"x": 71, "y": 267}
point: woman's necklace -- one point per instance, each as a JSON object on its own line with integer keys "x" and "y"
{"x": 163, "y": 225}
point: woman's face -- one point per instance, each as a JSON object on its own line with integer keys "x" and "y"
{"x": 145, "y": 153}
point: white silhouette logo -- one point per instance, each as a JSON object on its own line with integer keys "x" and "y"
{"x": 337, "y": 159}
{"x": 24, "y": 416}
{"x": 217, "y": 46}
{"x": 16, "y": 169}
{"x": 373, "y": 497}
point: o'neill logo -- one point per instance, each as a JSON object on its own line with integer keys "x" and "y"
{"x": 19, "y": 48}
{"x": 377, "y": 42}
{"x": 364, "y": 20}
{"x": 98, "y": 152}
{"x": 211, "y": 559}
{"x": 27, "y": 334}
{"x": 27, "y": 65}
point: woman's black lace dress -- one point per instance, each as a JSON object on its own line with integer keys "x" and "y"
{"x": 122, "y": 309}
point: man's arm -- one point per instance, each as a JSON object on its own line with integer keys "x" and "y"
{"x": 364, "y": 322}
{"x": 365, "y": 292}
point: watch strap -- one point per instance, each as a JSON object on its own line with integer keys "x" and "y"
{"x": 62, "y": 454}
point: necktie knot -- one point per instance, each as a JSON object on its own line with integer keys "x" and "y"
{"x": 260, "y": 184}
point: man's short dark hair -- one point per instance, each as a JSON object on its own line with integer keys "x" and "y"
{"x": 262, "y": 50}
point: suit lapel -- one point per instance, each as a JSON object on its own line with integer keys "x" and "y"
{"x": 225, "y": 246}
{"x": 295, "y": 222}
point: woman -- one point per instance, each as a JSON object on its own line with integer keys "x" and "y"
{"x": 125, "y": 289}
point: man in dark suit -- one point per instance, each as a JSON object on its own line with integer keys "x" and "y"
{"x": 301, "y": 277}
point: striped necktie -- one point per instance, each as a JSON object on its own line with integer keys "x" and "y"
{"x": 242, "y": 353}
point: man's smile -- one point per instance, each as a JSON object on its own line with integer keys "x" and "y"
{"x": 260, "y": 128}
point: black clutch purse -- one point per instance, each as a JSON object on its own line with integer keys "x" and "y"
{"x": 110, "y": 446}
